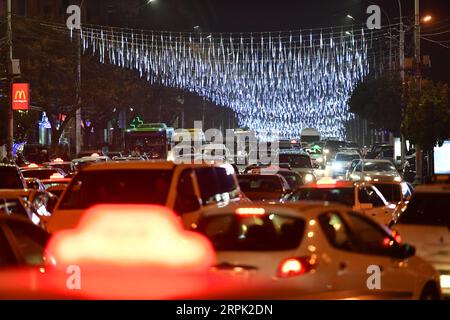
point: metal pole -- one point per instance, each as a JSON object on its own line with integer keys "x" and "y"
{"x": 417, "y": 60}
{"x": 78, "y": 137}
{"x": 402, "y": 77}
{"x": 10, "y": 121}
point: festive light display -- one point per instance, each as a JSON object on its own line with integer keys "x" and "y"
{"x": 284, "y": 81}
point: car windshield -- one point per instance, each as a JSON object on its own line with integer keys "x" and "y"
{"x": 260, "y": 183}
{"x": 271, "y": 232}
{"x": 117, "y": 187}
{"x": 10, "y": 179}
{"x": 341, "y": 195}
{"x": 41, "y": 174}
{"x": 391, "y": 192}
{"x": 293, "y": 179}
{"x": 427, "y": 209}
{"x": 379, "y": 167}
{"x": 347, "y": 157}
{"x": 296, "y": 160}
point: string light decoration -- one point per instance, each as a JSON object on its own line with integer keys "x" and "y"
{"x": 282, "y": 81}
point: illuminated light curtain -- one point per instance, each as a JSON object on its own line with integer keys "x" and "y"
{"x": 283, "y": 81}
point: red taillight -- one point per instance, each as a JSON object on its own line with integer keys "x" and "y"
{"x": 296, "y": 266}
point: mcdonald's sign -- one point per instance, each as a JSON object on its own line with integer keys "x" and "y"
{"x": 20, "y": 96}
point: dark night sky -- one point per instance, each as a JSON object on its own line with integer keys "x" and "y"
{"x": 275, "y": 15}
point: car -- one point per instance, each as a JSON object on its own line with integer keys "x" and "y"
{"x": 330, "y": 148}
{"x": 65, "y": 166}
{"x": 317, "y": 156}
{"x": 300, "y": 162}
{"x": 34, "y": 205}
{"x": 375, "y": 171}
{"x": 21, "y": 242}
{"x": 186, "y": 188}
{"x": 80, "y": 163}
{"x": 216, "y": 152}
{"x": 264, "y": 186}
{"x": 342, "y": 162}
{"x": 293, "y": 178}
{"x": 425, "y": 223}
{"x": 359, "y": 196}
{"x": 11, "y": 177}
{"x": 41, "y": 173}
{"x": 34, "y": 183}
{"x": 319, "y": 247}
{"x": 380, "y": 151}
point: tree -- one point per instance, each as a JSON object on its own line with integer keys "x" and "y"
{"x": 380, "y": 102}
{"x": 427, "y": 115}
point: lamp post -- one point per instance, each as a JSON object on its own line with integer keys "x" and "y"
{"x": 10, "y": 115}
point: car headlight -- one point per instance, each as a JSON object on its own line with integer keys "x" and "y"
{"x": 367, "y": 179}
{"x": 326, "y": 151}
{"x": 337, "y": 166}
{"x": 319, "y": 160}
{"x": 355, "y": 177}
{"x": 445, "y": 281}
{"x": 398, "y": 179}
{"x": 309, "y": 178}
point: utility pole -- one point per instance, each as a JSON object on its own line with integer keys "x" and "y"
{"x": 417, "y": 60}
{"x": 10, "y": 124}
{"x": 78, "y": 136}
{"x": 402, "y": 77}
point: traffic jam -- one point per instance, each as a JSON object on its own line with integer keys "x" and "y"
{"x": 211, "y": 225}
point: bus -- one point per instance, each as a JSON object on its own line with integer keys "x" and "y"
{"x": 151, "y": 139}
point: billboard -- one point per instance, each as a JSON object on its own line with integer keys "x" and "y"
{"x": 20, "y": 96}
{"x": 441, "y": 158}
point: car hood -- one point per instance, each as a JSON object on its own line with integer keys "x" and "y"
{"x": 389, "y": 176}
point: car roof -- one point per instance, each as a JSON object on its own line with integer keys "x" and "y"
{"x": 376, "y": 161}
{"x": 303, "y": 209}
{"x": 146, "y": 165}
{"x": 337, "y": 184}
{"x": 293, "y": 151}
{"x": 15, "y": 193}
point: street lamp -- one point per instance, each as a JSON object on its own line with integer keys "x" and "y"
{"x": 427, "y": 19}
{"x": 351, "y": 17}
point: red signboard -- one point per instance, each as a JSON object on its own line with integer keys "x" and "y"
{"x": 20, "y": 96}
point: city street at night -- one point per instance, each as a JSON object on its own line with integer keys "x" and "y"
{"x": 204, "y": 151}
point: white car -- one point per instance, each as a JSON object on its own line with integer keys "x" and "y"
{"x": 186, "y": 188}
{"x": 375, "y": 170}
{"x": 342, "y": 162}
{"x": 216, "y": 152}
{"x": 315, "y": 247}
{"x": 359, "y": 196}
{"x": 425, "y": 223}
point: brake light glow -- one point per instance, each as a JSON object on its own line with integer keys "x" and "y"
{"x": 396, "y": 236}
{"x": 250, "y": 211}
{"x": 132, "y": 235}
{"x": 296, "y": 266}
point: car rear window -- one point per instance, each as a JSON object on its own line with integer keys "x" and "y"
{"x": 117, "y": 187}
{"x": 270, "y": 232}
{"x": 296, "y": 160}
{"x": 42, "y": 174}
{"x": 260, "y": 183}
{"x": 10, "y": 178}
{"x": 391, "y": 192}
{"x": 341, "y": 195}
{"x": 347, "y": 157}
{"x": 379, "y": 166}
{"x": 430, "y": 209}
{"x": 216, "y": 184}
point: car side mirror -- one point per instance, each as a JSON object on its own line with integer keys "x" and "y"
{"x": 366, "y": 206}
{"x": 405, "y": 251}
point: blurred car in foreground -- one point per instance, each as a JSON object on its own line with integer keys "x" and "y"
{"x": 186, "y": 188}
{"x": 264, "y": 187}
{"x": 11, "y": 177}
{"x": 359, "y": 196}
{"x": 318, "y": 246}
{"x": 21, "y": 243}
{"x": 425, "y": 223}
{"x": 375, "y": 171}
